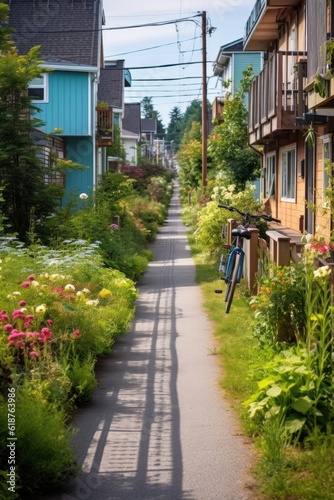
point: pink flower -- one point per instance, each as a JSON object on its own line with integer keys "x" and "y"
{"x": 49, "y": 322}
{"x": 76, "y": 333}
{"x": 3, "y": 316}
{"x": 26, "y": 284}
{"x": 18, "y": 314}
{"x": 19, "y": 343}
{"x": 22, "y": 303}
{"x": 8, "y": 327}
{"x": 33, "y": 354}
{"x": 31, "y": 277}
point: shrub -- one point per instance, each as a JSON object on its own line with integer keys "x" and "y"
{"x": 43, "y": 454}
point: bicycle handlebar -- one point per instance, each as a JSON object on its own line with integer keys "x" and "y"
{"x": 265, "y": 217}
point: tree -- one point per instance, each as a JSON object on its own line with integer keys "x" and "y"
{"x": 148, "y": 111}
{"x": 24, "y": 193}
{"x": 190, "y": 158}
{"x": 174, "y": 129}
{"x": 228, "y": 142}
{"x": 192, "y": 114}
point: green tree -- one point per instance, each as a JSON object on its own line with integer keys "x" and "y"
{"x": 193, "y": 113}
{"x": 174, "y": 129}
{"x": 228, "y": 142}
{"x": 190, "y": 158}
{"x": 24, "y": 193}
{"x": 148, "y": 111}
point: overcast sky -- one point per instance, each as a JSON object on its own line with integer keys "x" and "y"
{"x": 178, "y": 43}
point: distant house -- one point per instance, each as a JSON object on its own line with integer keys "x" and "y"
{"x": 229, "y": 65}
{"x": 149, "y": 128}
{"x": 70, "y": 39}
{"x": 113, "y": 79}
{"x": 131, "y": 131}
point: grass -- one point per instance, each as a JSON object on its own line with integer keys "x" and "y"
{"x": 283, "y": 471}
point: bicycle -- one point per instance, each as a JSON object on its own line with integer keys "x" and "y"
{"x": 231, "y": 266}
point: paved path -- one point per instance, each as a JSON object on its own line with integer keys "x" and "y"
{"x": 158, "y": 426}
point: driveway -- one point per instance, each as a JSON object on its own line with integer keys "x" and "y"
{"x": 158, "y": 426}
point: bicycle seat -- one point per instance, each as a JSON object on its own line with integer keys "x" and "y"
{"x": 242, "y": 233}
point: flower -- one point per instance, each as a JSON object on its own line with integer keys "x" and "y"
{"x": 41, "y": 308}
{"x": 70, "y": 288}
{"x": 26, "y": 284}
{"x": 322, "y": 272}
{"x": 83, "y": 196}
{"x": 114, "y": 226}
{"x": 33, "y": 354}
{"x": 92, "y": 302}
{"x": 105, "y": 293}
{"x": 76, "y": 333}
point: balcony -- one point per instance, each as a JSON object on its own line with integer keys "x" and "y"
{"x": 217, "y": 109}
{"x": 276, "y": 96}
{"x": 104, "y": 127}
{"x": 264, "y": 21}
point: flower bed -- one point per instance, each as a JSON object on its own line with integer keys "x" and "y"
{"x": 58, "y": 313}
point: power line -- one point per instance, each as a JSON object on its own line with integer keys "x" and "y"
{"x": 159, "y": 23}
{"x": 152, "y": 48}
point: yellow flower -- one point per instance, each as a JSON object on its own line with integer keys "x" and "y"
{"x": 105, "y": 293}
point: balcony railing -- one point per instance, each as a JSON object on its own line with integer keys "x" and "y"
{"x": 104, "y": 127}
{"x": 254, "y": 16}
{"x": 276, "y": 95}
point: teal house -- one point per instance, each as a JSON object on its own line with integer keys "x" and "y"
{"x": 229, "y": 66}
{"x": 69, "y": 34}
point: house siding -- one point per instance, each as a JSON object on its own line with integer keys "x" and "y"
{"x": 67, "y": 108}
{"x": 80, "y": 150}
{"x": 241, "y": 63}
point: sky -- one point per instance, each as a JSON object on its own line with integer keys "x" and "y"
{"x": 172, "y": 41}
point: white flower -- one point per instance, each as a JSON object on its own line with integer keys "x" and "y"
{"x": 83, "y": 196}
{"x": 16, "y": 293}
{"x": 35, "y": 283}
{"x": 322, "y": 272}
{"x": 92, "y": 302}
{"x": 41, "y": 308}
{"x": 70, "y": 287}
{"x": 85, "y": 290}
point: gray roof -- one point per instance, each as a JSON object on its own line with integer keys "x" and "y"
{"x": 111, "y": 84}
{"x": 68, "y": 31}
{"x": 149, "y": 125}
{"x": 131, "y": 119}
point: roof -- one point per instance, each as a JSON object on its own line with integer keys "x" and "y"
{"x": 131, "y": 119}
{"x": 66, "y": 30}
{"x": 149, "y": 125}
{"x": 111, "y": 84}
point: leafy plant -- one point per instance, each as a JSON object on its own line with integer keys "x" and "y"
{"x": 81, "y": 374}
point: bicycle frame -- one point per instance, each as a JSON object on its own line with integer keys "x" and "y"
{"x": 230, "y": 264}
{"x": 236, "y": 255}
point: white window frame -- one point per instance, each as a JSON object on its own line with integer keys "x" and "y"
{"x": 288, "y": 173}
{"x": 326, "y": 157}
{"x": 270, "y": 176}
{"x": 43, "y": 83}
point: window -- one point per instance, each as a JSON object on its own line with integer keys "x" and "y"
{"x": 288, "y": 185}
{"x": 270, "y": 176}
{"x": 38, "y": 89}
{"x": 326, "y": 163}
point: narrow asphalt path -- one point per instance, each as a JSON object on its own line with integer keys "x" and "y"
{"x": 158, "y": 426}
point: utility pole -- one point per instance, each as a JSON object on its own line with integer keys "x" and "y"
{"x": 204, "y": 104}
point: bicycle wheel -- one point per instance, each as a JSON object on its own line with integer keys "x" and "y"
{"x": 233, "y": 282}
